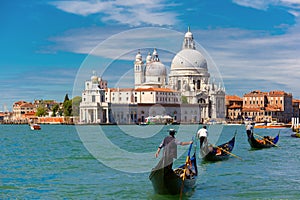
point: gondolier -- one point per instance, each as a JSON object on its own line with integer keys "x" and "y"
{"x": 202, "y": 134}
{"x": 183, "y": 178}
{"x": 249, "y": 128}
{"x": 169, "y": 144}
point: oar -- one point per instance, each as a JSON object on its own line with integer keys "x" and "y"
{"x": 266, "y": 140}
{"x": 184, "y": 170}
{"x": 182, "y": 184}
{"x": 228, "y": 152}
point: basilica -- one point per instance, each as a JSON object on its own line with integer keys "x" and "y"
{"x": 186, "y": 94}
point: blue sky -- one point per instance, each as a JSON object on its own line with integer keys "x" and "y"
{"x": 47, "y": 45}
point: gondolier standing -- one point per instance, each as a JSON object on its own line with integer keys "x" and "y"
{"x": 249, "y": 129}
{"x": 202, "y": 134}
{"x": 169, "y": 144}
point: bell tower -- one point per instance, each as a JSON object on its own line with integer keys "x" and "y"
{"x": 138, "y": 70}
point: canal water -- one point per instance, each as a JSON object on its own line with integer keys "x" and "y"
{"x": 113, "y": 162}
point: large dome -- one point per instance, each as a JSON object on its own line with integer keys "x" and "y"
{"x": 156, "y": 69}
{"x": 189, "y": 59}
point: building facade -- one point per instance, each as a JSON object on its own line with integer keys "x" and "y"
{"x": 234, "y": 106}
{"x": 268, "y": 106}
{"x": 20, "y": 110}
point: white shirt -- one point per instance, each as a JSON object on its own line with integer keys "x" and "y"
{"x": 249, "y": 127}
{"x": 202, "y": 133}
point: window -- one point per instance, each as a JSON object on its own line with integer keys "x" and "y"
{"x": 93, "y": 98}
{"x": 198, "y": 84}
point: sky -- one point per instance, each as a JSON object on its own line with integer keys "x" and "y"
{"x": 48, "y": 48}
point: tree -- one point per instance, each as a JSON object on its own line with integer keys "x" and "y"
{"x": 67, "y": 106}
{"x": 55, "y": 109}
{"x": 66, "y": 98}
{"x": 41, "y": 111}
{"x": 184, "y": 99}
{"x": 75, "y": 105}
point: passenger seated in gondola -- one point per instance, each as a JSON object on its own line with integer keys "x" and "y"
{"x": 261, "y": 141}
{"x": 189, "y": 171}
{"x": 218, "y": 151}
{"x": 268, "y": 139}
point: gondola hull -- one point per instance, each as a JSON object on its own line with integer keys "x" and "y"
{"x": 166, "y": 181}
{"x": 215, "y": 155}
{"x": 296, "y": 135}
{"x": 257, "y": 145}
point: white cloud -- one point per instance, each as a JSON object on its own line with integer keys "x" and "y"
{"x": 293, "y": 6}
{"x": 129, "y": 12}
{"x": 256, "y": 60}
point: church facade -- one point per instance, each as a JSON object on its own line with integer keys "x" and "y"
{"x": 185, "y": 94}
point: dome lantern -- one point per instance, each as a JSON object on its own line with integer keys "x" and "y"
{"x": 188, "y": 42}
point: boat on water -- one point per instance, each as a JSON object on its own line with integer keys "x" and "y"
{"x": 296, "y": 135}
{"x": 272, "y": 125}
{"x": 180, "y": 180}
{"x": 265, "y": 142}
{"x": 35, "y": 127}
{"x": 158, "y": 119}
{"x": 217, "y": 153}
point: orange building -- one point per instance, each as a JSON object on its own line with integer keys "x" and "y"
{"x": 20, "y": 110}
{"x": 268, "y": 106}
{"x": 234, "y": 106}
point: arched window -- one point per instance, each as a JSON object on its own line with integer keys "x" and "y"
{"x": 198, "y": 84}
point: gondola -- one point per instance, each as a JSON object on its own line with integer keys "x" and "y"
{"x": 221, "y": 152}
{"x": 168, "y": 181}
{"x": 296, "y": 135}
{"x": 259, "y": 144}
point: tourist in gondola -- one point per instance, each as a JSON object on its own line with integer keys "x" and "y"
{"x": 202, "y": 134}
{"x": 169, "y": 144}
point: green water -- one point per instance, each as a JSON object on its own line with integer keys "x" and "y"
{"x": 55, "y": 163}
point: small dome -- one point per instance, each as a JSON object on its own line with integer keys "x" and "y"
{"x": 188, "y": 34}
{"x": 138, "y": 57}
{"x": 148, "y": 59}
{"x": 189, "y": 59}
{"x": 155, "y": 52}
{"x": 94, "y": 79}
{"x": 156, "y": 69}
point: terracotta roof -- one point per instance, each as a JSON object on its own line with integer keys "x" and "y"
{"x": 279, "y": 93}
{"x": 155, "y": 89}
{"x": 233, "y": 98}
{"x": 19, "y": 102}
{"x": 119, "y": 89}
{"x": 296, "y": 100}
{"x": 27, "y": 105}
{"x": 255, "y": 93}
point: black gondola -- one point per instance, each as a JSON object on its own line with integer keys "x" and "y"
{"x": 168, "y": 181}
{"x": 296, "y": 135}
{"x": 264, "y": 143}
{"x": 221, "y": 152}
